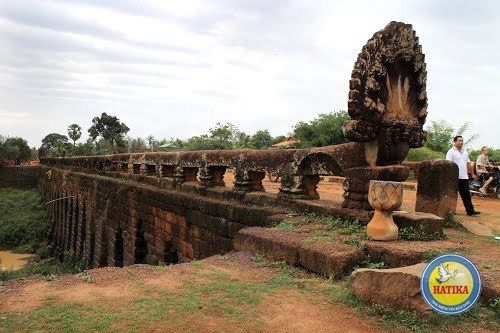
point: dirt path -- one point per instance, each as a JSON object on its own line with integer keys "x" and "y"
{"x": 485, "y": 224}
{"x": 230, "y": 293}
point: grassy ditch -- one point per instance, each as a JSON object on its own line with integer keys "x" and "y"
{"x": 23, "y": 220}
{"x": 24, "y": 224}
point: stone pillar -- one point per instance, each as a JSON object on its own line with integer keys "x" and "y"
{"x": 357, "y": 181}
{"x": 179, "y": 176}
{"x": 247, "y": 181}
{"x": 437, "y": 188}
{"x": 299, "y": 186}
{"x": 143, "y": 169}
{"x": 212, "y": 176}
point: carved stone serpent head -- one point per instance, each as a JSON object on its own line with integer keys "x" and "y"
{"x": 387, "y": 97}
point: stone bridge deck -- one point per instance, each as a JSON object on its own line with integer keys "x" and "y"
{"x": 166, "y": 207}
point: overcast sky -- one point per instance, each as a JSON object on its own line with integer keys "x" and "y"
{"x": 176, "y": 68}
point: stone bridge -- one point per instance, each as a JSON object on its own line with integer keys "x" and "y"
{"x": 167, "y": 207}
{"x": 163, "y": 207}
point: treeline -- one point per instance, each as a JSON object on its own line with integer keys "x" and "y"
{"x": 440, "y": 136}
{"x": 108, "y": 135}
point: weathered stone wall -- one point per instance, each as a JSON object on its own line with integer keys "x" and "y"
{"x": 19, "y": 177}
{"x": 115, "y": 222}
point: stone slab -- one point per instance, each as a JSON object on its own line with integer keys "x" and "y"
{"x": 427, "y": 223}
{"x": 397, "y": 287}
{"x": 404, "y": 253}
{"x": 324, "y": 258}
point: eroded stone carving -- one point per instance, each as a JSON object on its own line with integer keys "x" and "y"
{"x": 387, "y": 97}
{"x": 387, "y": 105}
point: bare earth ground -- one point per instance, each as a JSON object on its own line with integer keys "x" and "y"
{"x": 485, "y": 224}
{"x": 231, "y": 293}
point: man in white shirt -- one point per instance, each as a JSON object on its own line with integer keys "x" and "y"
{"x": 459, "y": 155}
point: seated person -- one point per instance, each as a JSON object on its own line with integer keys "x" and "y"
{"x": 482, "y": 165}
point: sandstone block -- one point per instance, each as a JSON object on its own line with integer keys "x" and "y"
{"x": 396, "y": 287}
{"x": 437, "y": 187}
{"x": 327, "y": 259}
{"x": 276, "y": 245}
{"x": 427, "y": 223}
{"x": 404, "y": 253}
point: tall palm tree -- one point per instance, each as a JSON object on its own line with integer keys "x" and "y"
{"x": 74, "y": 132}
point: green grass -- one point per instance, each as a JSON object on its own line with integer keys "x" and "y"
{"x": 206, "y": 292}
{"x": 46, "y": 268}
{"x": 487, "y": 316}
{"x": 287, "y": 225}
{"x": 24, "y": 220}
{"x": 411, "y": 233}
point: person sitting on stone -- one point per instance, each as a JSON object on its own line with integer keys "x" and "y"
{"x": 482, "y": 165}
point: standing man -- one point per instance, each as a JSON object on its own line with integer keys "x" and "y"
{"x": 482, "y": 165}
{"x": 459, "y": 155}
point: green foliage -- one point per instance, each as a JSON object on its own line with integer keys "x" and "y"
{"x": 423, "y": 154}
{"x": 323, "y": 131}
{"x": 109, "y": 128}
{"x": 74, "y": 132}
{"x": 24, "y": 219}
{"x": 411, "y": 233}
{"x": 151, "y": 142}
{"x": 368, "y": 263}
{"x": 46, "y": 268}
{"x": 410, "y": 320}
{"x": 439, "y": 136}
{"x": 54, "y": 145}
{"x": 261, "y": 140}
{"x": 279, "y": 138}
{"x": 15, "y": 149}
{"x": 85, "y": 149}
{"x": 222, "y": 136}
{"x": 136, "y": 145}
{"x": 287, "y": 225}
{"x": 493, "y": 154}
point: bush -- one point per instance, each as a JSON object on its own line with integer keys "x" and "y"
{"x": 423, "y": 154}
{"x": 24, "y": 219}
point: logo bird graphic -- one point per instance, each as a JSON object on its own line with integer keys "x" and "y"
{"x": 444, "y": 274}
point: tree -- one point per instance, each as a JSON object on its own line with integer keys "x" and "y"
{"x": 74, "y": 132}
{"x": 224, "y": 136}
{"x": 201, "y": 142}
{"x": 439, "y": 136}
{"x": 22, "y": 150}
{"x": 261, "y": 140}
{"x": 54, "y": 145}
{"x": 109, "y": 128}
{"x": 151, "y": 142}
{"x": 15, "y": 149}
{"x": 85, "y": 149}
{"x": 325, "y": 130}
{"x": 136, "y": 145}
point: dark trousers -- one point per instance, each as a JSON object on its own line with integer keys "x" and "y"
{"x": 463, "y": 189}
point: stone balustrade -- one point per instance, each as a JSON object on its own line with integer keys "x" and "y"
{"x": 299, "y": 168}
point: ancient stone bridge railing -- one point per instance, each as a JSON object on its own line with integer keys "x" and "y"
{"x": 299, "y": 168}
{"x": 144, "y": 208}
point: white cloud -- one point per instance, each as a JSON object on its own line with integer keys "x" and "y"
{"x": 174, "y": 69}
